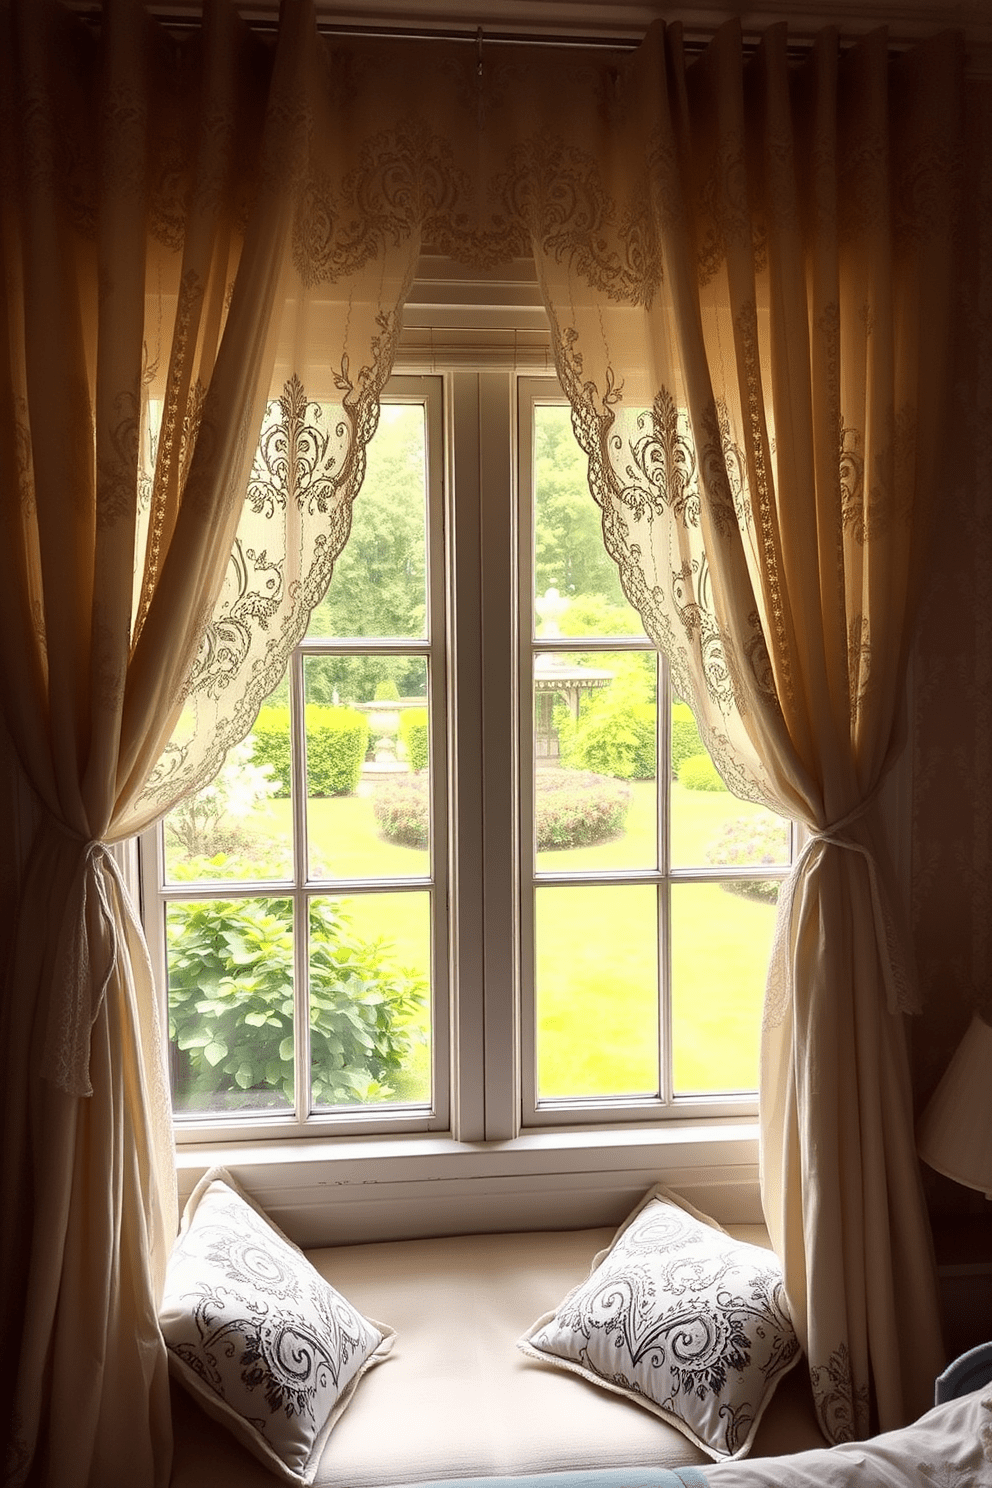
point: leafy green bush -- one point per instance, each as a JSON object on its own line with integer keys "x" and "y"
{"x": 337, "y": 739}
{"x": 386, "y": 691}
{"x": 415, "y": 737}
{"x": 574, "y": 808}
{"x": 685, "y": 736}
{"x": 231, "y": 1003}
{"x": 698, "y": 772}
{"x": 761, "y": 838}
{"x": 613, "y": 736}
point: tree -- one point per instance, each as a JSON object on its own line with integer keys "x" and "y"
{"x": 568, "y": 539}
{"x": 379, "y": 583}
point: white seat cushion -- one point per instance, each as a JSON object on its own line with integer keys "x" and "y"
{"x": 456, "y": 1398}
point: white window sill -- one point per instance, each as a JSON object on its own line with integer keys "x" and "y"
{"x": 342, "y": 1190}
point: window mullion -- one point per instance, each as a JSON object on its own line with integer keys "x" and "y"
{"x": 301, "y": 918}
{"x": 497, "y": 491}
{"x": 468, "y": 1109}
{"x": 663, "y": 693}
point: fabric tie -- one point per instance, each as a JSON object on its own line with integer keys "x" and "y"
{"x": 898, "y": 995}
{"x": 85, "y": 957}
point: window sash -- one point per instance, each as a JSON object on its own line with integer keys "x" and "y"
{"x": 480, "y": 460}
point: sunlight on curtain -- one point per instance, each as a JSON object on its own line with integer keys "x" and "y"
{"x": 763, "y": 412}
{"x": 206, "y": 244}
{"x": 158, "y": 282}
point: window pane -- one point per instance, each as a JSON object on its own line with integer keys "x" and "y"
{"x": 370, "y": 999}
{"x": 596, "y": 992}
{"x": 711, "y": 828}
{"x": 231, "y": 1004}
{"x": 569, "y": 556}
{"x": 595, "y": 753}
{"x": 379, "y": 583}
{"x": 239, "y": 826}
{"x": 721, "y": 941}
{"x": 368, "y": 775}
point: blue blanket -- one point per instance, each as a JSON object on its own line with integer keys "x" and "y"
{"x": 613, "y": 1477}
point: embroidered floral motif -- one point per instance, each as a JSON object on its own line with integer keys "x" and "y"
{"x": 683, "y": 1318}
{"x": 842, "y": 1406}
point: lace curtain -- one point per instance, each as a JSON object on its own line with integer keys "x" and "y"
{"x": 157, "y": 288}
{"x": 763, "y": 415}
{"x": 206, "y": 246}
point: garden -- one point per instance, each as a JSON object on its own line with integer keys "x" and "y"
{"x": 596, "y": 948}
{"x": 596, "y": 988}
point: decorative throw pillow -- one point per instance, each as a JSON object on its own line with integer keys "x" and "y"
{"x": 681, "y": 1318}
{"x": 262, "y": 1341}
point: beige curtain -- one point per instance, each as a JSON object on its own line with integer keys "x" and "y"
{"x": 166, "y": 264}
{"x": 206, "y": 242}
{"x": 763, "y": 412}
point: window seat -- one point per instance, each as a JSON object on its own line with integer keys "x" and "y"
{"x": 456, "y": 1399}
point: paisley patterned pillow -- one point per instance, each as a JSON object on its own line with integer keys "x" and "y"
{"x": 680, "y": 1318}
{"x": 264, "y": 1343}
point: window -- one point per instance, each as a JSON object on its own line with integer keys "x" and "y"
{"x": 473, "y": 870}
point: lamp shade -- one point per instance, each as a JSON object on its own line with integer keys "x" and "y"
{"x": 955, "y": 1132}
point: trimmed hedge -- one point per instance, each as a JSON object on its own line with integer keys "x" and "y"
{"x": 415, "y": 735}
{"x": 698, "y": 772}
{"x": 574, "y": 808}
{"x": 685, "y": 736}
{"x": 337, "y": 740}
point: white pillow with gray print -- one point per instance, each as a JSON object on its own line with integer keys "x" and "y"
{"x": 257, "y": 1335}
{"x": 680, "y": 1318}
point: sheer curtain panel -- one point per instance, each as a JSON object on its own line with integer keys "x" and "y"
{"x": 206, "y": 243}
{"x": 758, "y": 369}
{"x": 159, "y": 319}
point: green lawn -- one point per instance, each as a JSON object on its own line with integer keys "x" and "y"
{"x": 596, "y": 949}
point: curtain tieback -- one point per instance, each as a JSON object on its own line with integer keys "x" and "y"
{"x": 85, "y": 957}
{"x": 898, "y": 995}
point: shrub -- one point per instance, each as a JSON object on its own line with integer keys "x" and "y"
{"x": 271, "y": 739}
{"x": 402, "y": 810}
{"x": 210, "y": 821}
{"x": 386, "y": 691}
{"x": 698, "y": 772}
{"x": 415, "y": 736}
{"x": 337, "y": 739}
{"x": 574, "y": 808}
{"x": 231, "y": 1002}
{"x": 762, "y": 838}
{"x": 613, "y": 736}
{"x": 685, "y": 736}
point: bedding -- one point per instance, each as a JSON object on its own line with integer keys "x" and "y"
{"x": 949, "y": 1447}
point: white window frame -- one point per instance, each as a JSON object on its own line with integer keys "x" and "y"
{"x": 157, "y": 893}
{"x": 487, "y": 1173}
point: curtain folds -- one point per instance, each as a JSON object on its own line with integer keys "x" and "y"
{"x": 152, "y": 298}
{"x": 206, "y": 244}
{"x": 764, "y": 425}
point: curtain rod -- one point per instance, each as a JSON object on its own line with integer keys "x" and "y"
{"x": 695, "y": 40}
